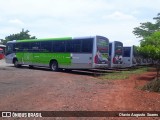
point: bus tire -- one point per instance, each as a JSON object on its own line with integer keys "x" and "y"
{"x": 15, "y": 62}
{"x": 31, "y": 66}
{"x": 54, "y": 66}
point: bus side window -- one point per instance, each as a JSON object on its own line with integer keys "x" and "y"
{"x": 58, "y": 46}
{"x": 35, "y": 46}
{"x": 73, "y": 46}
{"x": 46, "y": 46}
{"x": 87, "y": 46}
{"x": 18, "y": 47}
{"x": 26, "y": 46}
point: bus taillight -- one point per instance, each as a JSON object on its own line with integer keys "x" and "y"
{"x": 114, "y": 60}
{"x": 96, "y": 59}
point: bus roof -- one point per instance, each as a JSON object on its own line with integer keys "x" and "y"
{"x": 48, "y": 39}
{"x": 2, "y": 45}
{"x": 116, "y": 41}
{"x": 44, "y": 39}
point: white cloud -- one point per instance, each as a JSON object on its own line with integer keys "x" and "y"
{"x": 8, "y": 31}
{"x": 16, "y": 21}
{"x": 114, "y": 19}
{"x": 119, "y": 16}
{"x": 54, "y": 8}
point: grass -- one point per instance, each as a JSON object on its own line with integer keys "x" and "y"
{"x": 121, "y": 75}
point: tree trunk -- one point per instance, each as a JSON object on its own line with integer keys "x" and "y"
{"x": 157, "y": 69}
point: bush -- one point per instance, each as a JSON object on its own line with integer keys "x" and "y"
{"x": 154, "y": 86}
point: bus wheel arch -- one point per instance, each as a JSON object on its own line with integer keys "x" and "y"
{"x": 15, "y": 62}
{"x": 53, "y": 65}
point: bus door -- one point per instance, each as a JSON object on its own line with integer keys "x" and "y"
{"x": 10, "y": 52}
{"x": 36, "y": 59}
{"x": 23, "y": 53}
{"x": 27, "y": 57}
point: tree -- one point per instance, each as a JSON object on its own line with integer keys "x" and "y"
{"x": 19, "y": 36}
{"x": 147, "y": 28}
{"x": 150, "y": 42}
{"x": 150, "y": 48}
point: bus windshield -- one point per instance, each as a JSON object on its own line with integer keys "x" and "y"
{"x": 10, "y": 48}
{"x": 118, "y": 48}
{"x": 102, "y": 45}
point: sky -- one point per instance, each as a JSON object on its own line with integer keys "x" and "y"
{"x": 114, "y": 19}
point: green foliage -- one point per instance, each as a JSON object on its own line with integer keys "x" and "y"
{"x": 150, "y": 46}
{"x": 147, "y": 28}
{"x": 19, "y": 36}
{"x": 157, "y": 18}
{"x": 153, "y": 39}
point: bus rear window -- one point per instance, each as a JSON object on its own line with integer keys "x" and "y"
{"x": 126, "y": 51}
{"x": 102, "y": 45}
{"x": 118, "y": 48}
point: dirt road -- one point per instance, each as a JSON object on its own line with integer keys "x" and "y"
{"x": 23, "y": 89}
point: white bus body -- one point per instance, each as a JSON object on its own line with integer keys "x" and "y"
{"x": 129, "y": 57}
{"x": 68, "y": 53}
{"x": 115, "y": 54}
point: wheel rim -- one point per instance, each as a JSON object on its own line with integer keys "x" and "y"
{"x": 16, "y": 63}
{"x": 54, "y": 66}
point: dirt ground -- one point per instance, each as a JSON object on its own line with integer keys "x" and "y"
{"x": 23, "y": 89}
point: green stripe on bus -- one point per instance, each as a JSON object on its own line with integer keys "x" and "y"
{"x": 44, "y": 58}
{"x": 45, "y": 39}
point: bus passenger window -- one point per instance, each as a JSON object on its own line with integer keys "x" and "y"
{"x": 73, "y": 46}
{"x": 46, "y": 46}
{"x": 35, "y": 46}
{"x": 87, "y": 46}
{"x": 59, "y": 46}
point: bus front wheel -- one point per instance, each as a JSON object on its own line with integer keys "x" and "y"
{"x": 16, "y": 63}
{"x": 31, "y": 66}
{"x": 54, "y": 66}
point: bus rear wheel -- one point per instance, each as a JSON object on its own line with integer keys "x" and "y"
{"x": 54, "y": 66}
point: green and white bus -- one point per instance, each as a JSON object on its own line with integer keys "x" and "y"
{"x": 56, "y": 53}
